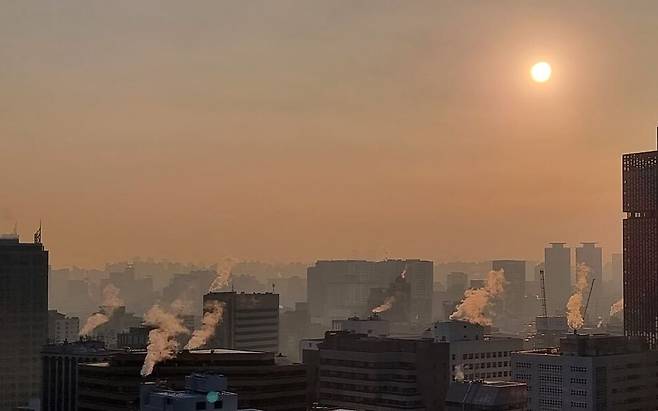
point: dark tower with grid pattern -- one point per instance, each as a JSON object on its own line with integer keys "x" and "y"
{"x": 640, "y": 194}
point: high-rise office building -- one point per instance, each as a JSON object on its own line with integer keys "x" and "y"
{"x": 24, "y": 319}
{"x": 341, "y": 288}
{"x": 592, "y": 256}
{"x": 590, "y": 372}
{"x": 250, "y": 321}
{"x": 557, "y": 266}
{"x": 456, "y": 284}
{"x": 514, "y": 271}
{"x": 640, "y": 254}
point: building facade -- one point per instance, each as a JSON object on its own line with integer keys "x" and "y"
{"x": 640, "y": 250}
{"x": 24, "y": 318}
{"x": 60, "y": 371}
{"x": 341, "y": 288}
{"x": 592, "y": 372}
{"x": 260, "y": 379}
{"x": 557, "y": 264}
{"x": 378, "y": 374}
{"x": 250, "y": 321}
{"x": 475, "y": 355}
{"x": 62, "y": 328}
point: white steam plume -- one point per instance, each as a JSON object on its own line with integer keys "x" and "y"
{"x": 388, "y": 304}
{"x": 111, "y": 301}
{"x": 575, "y": 303}
{"x": 617, "y": 307}
{"x": 476, "y": 305}
{"x": 212, "y": 317}
{"x": 162, "y": 339}
{"x": 459, "y": 372}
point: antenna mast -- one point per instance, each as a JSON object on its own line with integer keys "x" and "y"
{"x": 542, "y": 288}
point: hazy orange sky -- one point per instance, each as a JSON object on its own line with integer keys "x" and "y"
{"x": 297, "y": 130}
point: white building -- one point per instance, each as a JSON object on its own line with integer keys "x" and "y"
{"x": 62, "y": 328}
{"x": 590, "y": 372}
{"x": 202, "y": 392}
{"x": 477, "y": 355}
{"x": 372, "y": 326}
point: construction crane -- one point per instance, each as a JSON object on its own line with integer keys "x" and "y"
{"x": 542, "y": 288}
{"x": 588, "y": 297}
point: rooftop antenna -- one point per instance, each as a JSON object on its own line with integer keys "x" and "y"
{"x": 273, "y": 287}
{"x": 543, "y": 293}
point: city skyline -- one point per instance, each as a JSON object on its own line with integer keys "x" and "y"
{"x": 295, "y": 132}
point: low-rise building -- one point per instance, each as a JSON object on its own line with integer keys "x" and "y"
{"x": 487, "y": 395}
{"x": 260, "y": 379}
{"x": 595, "y": 372}
{"x": 374, "y": 325}
{"x": 202, "y": 392}
{"x": 60, "y": 371}
{"x": 477, "y": 355}
{"x": 377, "y": 373}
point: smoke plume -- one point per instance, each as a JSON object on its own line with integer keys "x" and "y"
{"x": 390, "y": 299}
{"x": 477, "y": 303}
{"x": 162, "y": 339}
{"x": 223, "y": 277}
{"x": 459, "y": 372}
{"x": 388, "y": 304}
{"x": 111, "y": 301}
{"x": 575, "y": 303}
{"x": 212, "y": 316}
{"x": 617, "y": 307}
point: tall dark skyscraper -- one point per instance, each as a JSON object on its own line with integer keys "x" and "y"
{"x": 640, "y": 195}
{"x": 23, "y": 319}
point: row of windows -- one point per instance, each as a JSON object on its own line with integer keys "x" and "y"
{"x": 578, "y": 369}
{"x": 478, "y": 355}
{"x": 483, "y": 365}
{"x": 579, "y": 393}
{"x": 579, "y": 380}
{"x": 578, "y": 404}
{"x": 498, "y": 374}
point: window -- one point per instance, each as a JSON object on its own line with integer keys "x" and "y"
{"x": 219, "y": 404}
{"x": 200, "y": 405}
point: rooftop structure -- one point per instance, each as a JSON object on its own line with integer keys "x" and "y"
{"x": 487, "y": 395}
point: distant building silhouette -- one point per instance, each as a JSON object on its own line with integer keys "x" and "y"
{"x": 23, "y": 319}
{"x": 592, "y": 256}
{"x": 557, "y": 265}
{"x": 341, "y": 288}
{"x": 640, "y": 198}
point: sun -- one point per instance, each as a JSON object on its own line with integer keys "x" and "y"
{"x": 541, "y": 72}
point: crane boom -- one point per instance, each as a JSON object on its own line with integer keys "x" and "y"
{"x": 543, "y": 293}
{"x": 588, "y": 297}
